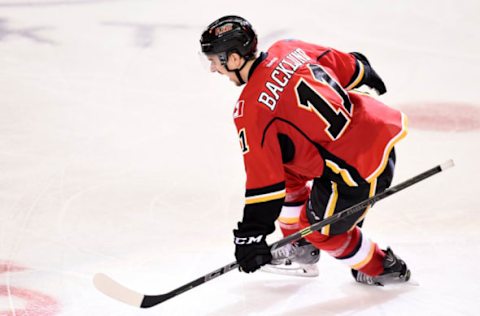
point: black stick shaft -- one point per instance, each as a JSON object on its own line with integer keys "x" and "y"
{"x": 358, "y": 207}
{"x": 152, "y": 300}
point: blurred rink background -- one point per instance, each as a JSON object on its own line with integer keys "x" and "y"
{"x": 118, "y": 154}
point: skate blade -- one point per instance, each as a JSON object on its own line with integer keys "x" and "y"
{"x": 307, "y": 270}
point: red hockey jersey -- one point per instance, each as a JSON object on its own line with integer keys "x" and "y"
{"x": 297, "y": 120}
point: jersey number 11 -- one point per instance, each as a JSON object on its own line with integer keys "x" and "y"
{"x": 309, "y": 99}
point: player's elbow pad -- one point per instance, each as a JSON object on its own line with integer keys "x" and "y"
{"x": 370, "y": 77}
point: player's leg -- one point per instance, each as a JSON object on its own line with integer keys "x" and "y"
{"x": 344, "y": 240}
{"x": 298, "y": 258}
{"x": 394, "y": 268}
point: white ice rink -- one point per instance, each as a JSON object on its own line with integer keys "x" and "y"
{"x": 118, "y": 154}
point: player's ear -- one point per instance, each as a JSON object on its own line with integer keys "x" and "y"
{"x": 235, "y": 60}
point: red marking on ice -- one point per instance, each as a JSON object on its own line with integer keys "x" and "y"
{"x": 7, "y": 266}
{"x": 35, "y": 303}
{"x": 457, "y": 117}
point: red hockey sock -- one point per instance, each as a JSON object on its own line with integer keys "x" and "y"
{"x": 287, "y": 230}
{"x": 375, "y": 266}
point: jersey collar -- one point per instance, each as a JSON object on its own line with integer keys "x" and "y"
{"x": 256, "y": 63}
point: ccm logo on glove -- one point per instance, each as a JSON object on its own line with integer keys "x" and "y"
{"x": 248, "y": 240}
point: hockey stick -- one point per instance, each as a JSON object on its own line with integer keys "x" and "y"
{"x": 119, "y": 292}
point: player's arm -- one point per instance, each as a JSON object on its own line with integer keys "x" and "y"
{"x": 264, "y": 194}
{"x": 352, "y": 69}
{"x": 265, "y": 185}
{"x": 365, "y": 75}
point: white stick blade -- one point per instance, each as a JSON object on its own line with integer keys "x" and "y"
{"x": 447, "y": 164}
{"x": 115, "y": 290}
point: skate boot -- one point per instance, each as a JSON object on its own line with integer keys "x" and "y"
{"x": 298, "y": 259}
{"x": 395, "y": 271}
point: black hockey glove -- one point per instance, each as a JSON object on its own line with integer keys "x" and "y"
{"x": 370, "y": 77}
{"x": 251, "y": 249}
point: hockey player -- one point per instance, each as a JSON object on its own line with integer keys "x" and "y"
{"x": 299, "y": 121}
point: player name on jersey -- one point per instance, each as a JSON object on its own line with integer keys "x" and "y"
{"x": 281, "y": 76}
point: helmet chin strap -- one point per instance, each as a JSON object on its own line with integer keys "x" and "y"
{"x": 237, "y": 72}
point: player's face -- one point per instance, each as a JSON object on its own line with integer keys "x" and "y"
{"x": 216, "y": 66}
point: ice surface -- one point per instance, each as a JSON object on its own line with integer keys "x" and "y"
{"x": 118, "y": 154}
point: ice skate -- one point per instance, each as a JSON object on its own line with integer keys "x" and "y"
{"x": 395, "y": 271}
{"x": 297, "y": 259}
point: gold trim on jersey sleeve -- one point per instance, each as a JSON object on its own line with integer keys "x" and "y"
{"x": 359, "y": 78}
{"x": 265, "y": 197}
